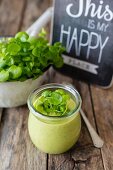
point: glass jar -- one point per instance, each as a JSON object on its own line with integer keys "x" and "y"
{"x": 51, "y": 134}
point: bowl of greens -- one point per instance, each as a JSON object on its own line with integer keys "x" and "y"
{"x": 24, "y": 61}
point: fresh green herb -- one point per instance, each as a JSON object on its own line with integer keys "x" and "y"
{"x": 23, "y": 57}
{"x": 54, "y": 103}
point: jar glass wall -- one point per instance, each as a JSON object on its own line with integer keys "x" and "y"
{"x": 54, "y": 134}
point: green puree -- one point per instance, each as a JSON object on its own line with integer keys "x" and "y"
{"x": 54, "y": 103}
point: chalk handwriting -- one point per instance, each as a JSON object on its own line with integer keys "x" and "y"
{"x": 101, "y": 11}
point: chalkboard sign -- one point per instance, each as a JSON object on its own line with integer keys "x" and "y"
{"x": 85, "y": 27}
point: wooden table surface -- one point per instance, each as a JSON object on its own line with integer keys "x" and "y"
{"x": 16, "y": 149}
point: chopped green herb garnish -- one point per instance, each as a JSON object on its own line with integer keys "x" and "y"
{"x": 54, "y": 103}
{"x": 23, "y": 57}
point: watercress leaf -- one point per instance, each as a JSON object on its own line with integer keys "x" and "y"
{"x": 35, "y": 52}
{"x": 58, "y": 62}
{"x": 62, "y": 108}
{"x": 4, "y": 76}
{"x": 41, "y": 99}
{"x": 38, "y": 101}
{"x": 26, "y": 58}
{"x": 15, "y": 71}
{"x": 60, "y": 91}
{"x": 2, "y": 63}
{"x": 26, "y": 71}
{"x": 40, "y": 108}
{"x": 21, "y": 78}
{"x": 43, "y": 33}
{"x": 13, "y": 48}
{"x": 23, "y": 36}
{"x": 9, "y": 60}
{"x": 25, "y": 47}
{"x": 36, "y": 70}
{"x": 56, "y": 98}
{"x": 33, "y": 42}
{"x": 46, "y": 93}
{"x": 47, "y": 106}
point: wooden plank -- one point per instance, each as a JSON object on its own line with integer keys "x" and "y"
{"x": 80, "y": 159}
{"x": 1, "y": 110}
{"x": 83, "y": 156}
{"x": 34, "y": 9}
{"x": 103, "y": 107}
{"x": 11, "y": 12}
{"x": 16, "y": 150}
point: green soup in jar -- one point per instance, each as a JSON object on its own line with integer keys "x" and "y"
{"x": 54, "y": 122}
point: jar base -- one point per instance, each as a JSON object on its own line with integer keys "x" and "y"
{"x": 58, "y": 152}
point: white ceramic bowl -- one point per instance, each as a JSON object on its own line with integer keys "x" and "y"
{"x": 14, "y": 94}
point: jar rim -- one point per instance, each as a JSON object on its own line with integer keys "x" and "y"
{"x": 67, "y": 87}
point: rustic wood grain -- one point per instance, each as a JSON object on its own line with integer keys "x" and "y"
{"x": 103, "y": 107}
{"x": 34, "y": 9}
{"x": 78, "y": 159}
{"x": 11, "y": 12}
{"x": 16, "y": 149}
{"x": 83, "y": 156}
{"x": 1, "y": 110}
